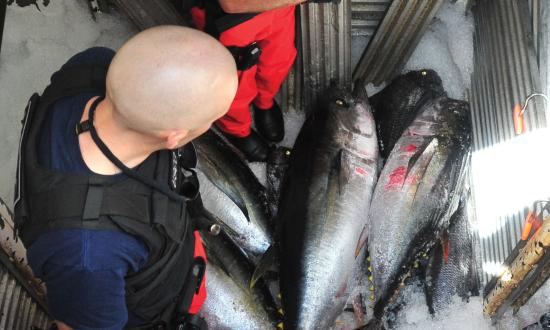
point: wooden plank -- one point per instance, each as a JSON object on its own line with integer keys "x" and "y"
{"x": 146, "y": 13}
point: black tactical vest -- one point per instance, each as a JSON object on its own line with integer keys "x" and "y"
{"x": 162, "y": 290}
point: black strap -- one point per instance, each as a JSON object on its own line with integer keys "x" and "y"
{"x": 228, "y": 21}
{"x": 83, "y": 201}
{"x": 247, "y": 56}
{"x": 82, "y": 127}
{"x": 129, "y": 172}
{"x": 94, "y": 200}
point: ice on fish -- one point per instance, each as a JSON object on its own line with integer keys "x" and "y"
{"x": 460, "y": 314}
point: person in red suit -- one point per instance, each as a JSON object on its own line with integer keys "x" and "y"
{"x": 260, "y": 34}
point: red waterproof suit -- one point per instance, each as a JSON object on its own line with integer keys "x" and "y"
{"x": 274, "y": 31}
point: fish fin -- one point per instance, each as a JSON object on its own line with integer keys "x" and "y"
{"x": 238, "y": 200}
{"x": 363, "y": 237}
{"x": 213, "y": 258}
{"x": 429, "y": 160}
{"x": 417, "y": 156}
{"x": 269, "y": 258}
{"x": 233, "y": 195}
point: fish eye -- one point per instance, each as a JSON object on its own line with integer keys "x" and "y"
{"x": 341, "y": 103}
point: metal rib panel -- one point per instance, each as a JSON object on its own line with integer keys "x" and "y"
{"x": 324, "y": 40}
{"x": 395, "y": 39}
{"x": 366, "y": 15}
{"x": 326, "y": 48}
{"x": 291, "y": 91}
{"x": 541, "y": 36}
{"x": 505, "y": 73}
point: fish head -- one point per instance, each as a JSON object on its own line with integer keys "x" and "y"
{"x": 352, "y": 112}
{"x": 426, "y": 79}
{"x": 353, "y": 125}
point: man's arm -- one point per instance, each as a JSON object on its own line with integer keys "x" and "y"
{"x": 255, "y": 6}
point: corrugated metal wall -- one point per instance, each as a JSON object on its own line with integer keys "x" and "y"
{"x": 505, "y": 73}
{"x": 325, "y": 33}
{"x": 366, "y": 15}
{"x": 326, "y": 47}
{"x": 540, "y": 13}
{"x": 395, "y": 40}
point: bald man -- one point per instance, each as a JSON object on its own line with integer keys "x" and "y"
{"x": 100, "y": 205}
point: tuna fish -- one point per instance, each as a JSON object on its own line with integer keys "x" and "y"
{"x": 230, "y": 303}
{"x": 232, "y": 193}
{"x": 417, "y": 192}
{"x": 451, "y": 267}
{"x": 324, "y": 206}
{"x": 396, "y": 106}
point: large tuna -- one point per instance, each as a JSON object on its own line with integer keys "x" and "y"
{"x": 417, "y": 192}
{"x": 231, "y": 303}
{"x": 232, "y": 192}
{"x": 324, "y": 206}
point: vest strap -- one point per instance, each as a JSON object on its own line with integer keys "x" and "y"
{"x": 94, "y": 200}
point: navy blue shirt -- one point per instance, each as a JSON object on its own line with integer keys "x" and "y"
{"x": 83, "y": 269}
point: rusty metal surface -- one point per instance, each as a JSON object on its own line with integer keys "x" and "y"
{"x": 19, "y": 308}
{"x": 523, "y": 265}
{"x": 21, "y": 295}
{"x": 395, "y": 39}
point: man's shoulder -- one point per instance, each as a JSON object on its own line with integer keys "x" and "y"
{"x": 91, "y": 56}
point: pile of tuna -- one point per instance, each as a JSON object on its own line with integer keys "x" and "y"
{"x": 295, "y": 254}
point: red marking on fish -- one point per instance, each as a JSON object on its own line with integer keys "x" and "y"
{"x": 410, "y": 148}
{"x": 446, "y": 253}
{"x": 397, "y": 177}
{"x": 361, "y": 171}
{"x": 446, "y": 245}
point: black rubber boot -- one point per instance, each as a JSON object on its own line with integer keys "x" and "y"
{"x": 252, "y": 146}
{"x": 270, "y": 123}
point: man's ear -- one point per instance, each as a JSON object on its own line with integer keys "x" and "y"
{"x": 174, "y": 139}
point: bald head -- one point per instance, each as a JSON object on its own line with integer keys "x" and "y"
{"x": 171, "y": 78}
